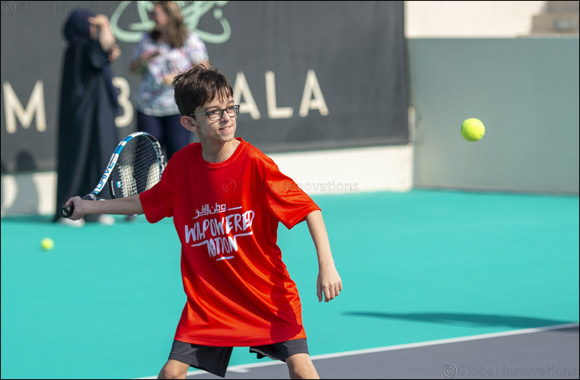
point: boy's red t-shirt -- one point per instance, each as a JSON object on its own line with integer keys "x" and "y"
{"x": 239, "y": 292}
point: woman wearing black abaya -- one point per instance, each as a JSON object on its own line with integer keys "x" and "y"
{"x": 87, "y": 134}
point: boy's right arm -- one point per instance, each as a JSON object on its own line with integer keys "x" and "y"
{"x": 120, "y": 206}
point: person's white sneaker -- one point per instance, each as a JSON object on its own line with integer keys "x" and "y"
{"x": 71, "y": 223}
{"x": 106, "y": 220}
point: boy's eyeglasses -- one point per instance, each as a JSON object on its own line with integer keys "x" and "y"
{"x": 214, "y": 115}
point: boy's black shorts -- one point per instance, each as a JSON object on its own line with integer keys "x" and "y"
{"x": 216, "y": 359}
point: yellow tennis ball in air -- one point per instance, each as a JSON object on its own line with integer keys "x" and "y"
{"x": 47, "y": 244}
{"x": 472, "y": 129}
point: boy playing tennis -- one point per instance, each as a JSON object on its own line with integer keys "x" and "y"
{"x": 226, "y": 199}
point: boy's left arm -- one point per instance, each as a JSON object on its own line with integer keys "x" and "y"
{"x": 329, "y": 282}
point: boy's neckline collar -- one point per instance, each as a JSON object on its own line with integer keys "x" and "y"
{"x": 230, "y": 159}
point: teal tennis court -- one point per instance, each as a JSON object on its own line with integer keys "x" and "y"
{"x": 416, "y": 267}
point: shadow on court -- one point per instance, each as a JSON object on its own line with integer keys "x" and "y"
{"x": 463, "y": 319}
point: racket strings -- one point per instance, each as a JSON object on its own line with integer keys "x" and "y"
{"x": 138, "y": 168}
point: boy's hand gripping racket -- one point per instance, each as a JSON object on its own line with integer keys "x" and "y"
{"x": 135, "y": 166}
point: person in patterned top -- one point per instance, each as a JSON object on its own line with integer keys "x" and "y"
{"x": 160, "y": 55}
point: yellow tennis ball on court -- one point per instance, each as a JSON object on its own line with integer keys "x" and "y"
{"x": 47, "y": 244}
{"x": 472, "y": 129}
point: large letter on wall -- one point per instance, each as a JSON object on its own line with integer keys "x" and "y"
{"x": 242, "y": 90}
{"x": 35, "y": 106}
{"x": 312, "y": 87}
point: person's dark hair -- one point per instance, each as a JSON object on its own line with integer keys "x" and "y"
{"x": 199, "y": 85}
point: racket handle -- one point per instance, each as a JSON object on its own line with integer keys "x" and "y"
{"x": 67, "y": 210}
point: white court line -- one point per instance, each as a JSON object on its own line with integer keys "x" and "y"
{"x": 244, "y": 367}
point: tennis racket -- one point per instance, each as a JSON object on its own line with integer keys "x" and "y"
{"x": 135, "y": 166}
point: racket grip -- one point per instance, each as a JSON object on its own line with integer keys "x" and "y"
{"x": 67, "y": 210}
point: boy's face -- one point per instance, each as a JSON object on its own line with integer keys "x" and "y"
{"x": 221, "y": 130}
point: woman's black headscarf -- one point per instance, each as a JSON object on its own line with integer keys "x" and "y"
{"x": 77, "y": 27}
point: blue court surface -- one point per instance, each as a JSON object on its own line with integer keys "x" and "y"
{"x": 437, "y": 284}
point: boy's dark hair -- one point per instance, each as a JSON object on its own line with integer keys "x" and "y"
{"x": 199, "y": 85}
